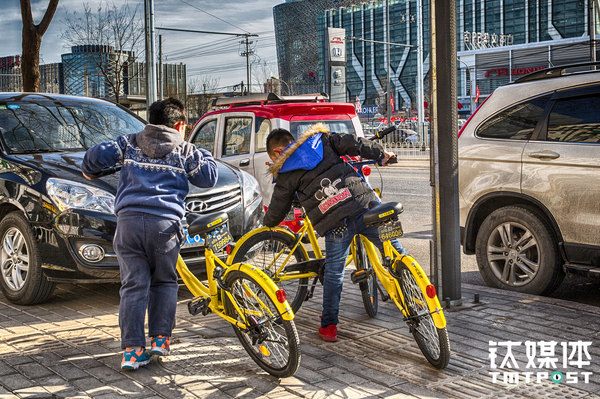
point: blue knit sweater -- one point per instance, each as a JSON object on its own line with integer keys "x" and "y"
{"x": 157, "y": 165}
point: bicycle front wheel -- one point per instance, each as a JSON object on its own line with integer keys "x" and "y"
{"x": 368, "y": 288}
{"x": 432, "y": 341}
{"x": 268, "y": 250}
{"x": 271, "y": 341}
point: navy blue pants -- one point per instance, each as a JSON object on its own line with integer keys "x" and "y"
{"x": 147, "y": 247}
{"x": 337, "y": 247}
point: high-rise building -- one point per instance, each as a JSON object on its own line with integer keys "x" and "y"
{"x": 298, "y": 38}
{"x": 89, "y": 70}
{"x": 51, "y": 78}
{"x": 497, "y": 42}
{"x": 10, "y": 73}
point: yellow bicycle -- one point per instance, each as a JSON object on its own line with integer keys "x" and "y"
{"x": 244, "y": 296}
{"x": 282, "y": 255}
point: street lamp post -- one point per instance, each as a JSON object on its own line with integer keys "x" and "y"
{"x": 286, "y": 85}
{"x": 471, "y": 88}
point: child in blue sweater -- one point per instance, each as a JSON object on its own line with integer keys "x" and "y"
{"x": 157, "y": 165}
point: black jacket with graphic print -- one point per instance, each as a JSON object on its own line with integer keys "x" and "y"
{"x": 330, "y": 192}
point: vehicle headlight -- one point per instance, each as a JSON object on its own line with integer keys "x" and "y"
{"x": 251, "y": 190}
{"x": 68, "y": 194}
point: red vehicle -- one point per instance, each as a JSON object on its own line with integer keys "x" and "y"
{"x": 237, "y": 132}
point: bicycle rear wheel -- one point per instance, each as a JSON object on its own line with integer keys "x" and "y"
{"x": 368, "y": 288}
{"x": 268, "y": 250}
{"x": 270, "y": 341}
{"x": 432, "y": 341}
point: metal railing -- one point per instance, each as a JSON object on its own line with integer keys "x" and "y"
{"x": 406, "y": 141}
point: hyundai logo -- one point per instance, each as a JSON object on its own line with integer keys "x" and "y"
{"x": 196, "y": 206}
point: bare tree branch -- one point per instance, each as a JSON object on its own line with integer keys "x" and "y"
{"x": 43, "y": 26}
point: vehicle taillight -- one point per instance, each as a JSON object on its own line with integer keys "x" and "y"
{"x": 280, "y": 294}
{"x": 366, "y": 170}
{"x": 472, "y": 115}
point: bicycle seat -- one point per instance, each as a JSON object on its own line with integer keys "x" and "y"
{"x": 382, "y": 212}
{"x": 204, "y": 224}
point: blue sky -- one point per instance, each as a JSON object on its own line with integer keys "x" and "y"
{"x": 220, "y": 60}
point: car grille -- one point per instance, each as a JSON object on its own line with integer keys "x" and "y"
{"x": 222, "y": 199}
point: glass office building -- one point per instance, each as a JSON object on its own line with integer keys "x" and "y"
{"x": 85, "y": 70}
{"x": 497, "y": 42}
{"x": 297, "y": 40}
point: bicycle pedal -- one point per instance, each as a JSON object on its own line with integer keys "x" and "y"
{"x": 199, "y": 305}
{"x": 360, "y": 276}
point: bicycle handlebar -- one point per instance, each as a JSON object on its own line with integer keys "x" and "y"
{"x": 383, "y": 133}
{"x": 392, "y": 160}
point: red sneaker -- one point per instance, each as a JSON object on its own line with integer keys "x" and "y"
{"x": 328, "y": 333}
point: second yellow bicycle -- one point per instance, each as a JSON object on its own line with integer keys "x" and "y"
{"x": 282, "y": 256}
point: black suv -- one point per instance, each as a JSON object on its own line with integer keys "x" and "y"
{"x": 55, "y": 226}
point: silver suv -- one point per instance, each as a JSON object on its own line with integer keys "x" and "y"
{"x": 529, "y": 181}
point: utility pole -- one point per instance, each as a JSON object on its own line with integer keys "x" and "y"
{"x": 388, "y": 101}
{"x": 444, "y": 123}
{"x": 592, "y": 30}
{"x": 150, "y": 53}
{"x": 247, "y": 54}
{"x": 471, "y": 104}
{"x": 160, "y": 68}
{"x": 420, "y": 99}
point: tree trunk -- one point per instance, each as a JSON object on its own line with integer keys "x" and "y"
{"x": 31, "y": 42}
{"x": 30, "y": 60}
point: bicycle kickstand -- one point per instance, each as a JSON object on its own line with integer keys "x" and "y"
{"x": 384, "y": 296}
{"x": 310, "y": 293}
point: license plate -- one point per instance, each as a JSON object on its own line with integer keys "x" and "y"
{"x": 390, "y": 230}
{"x": 195, "y": 241}
{"x": 291, "y": 216}
{"x": 219, "y": 239}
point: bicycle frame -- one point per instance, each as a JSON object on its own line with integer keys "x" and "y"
{"x": 391, "y": 284}
{"x": 306, "y": 229}
{"x": 216, "y": 305}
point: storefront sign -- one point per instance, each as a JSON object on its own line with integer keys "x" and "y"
{"x": 337, "y": 44}
{"x": 496, "y": 72}
{"x": 336, "y": 47}
{"x": 368, "y": 111}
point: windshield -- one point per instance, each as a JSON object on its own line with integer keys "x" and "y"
{"x": 46, "y": 126}
{"x": 334, "y": 126}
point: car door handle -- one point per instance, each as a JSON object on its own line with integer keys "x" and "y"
{"x": 544, "y": 155}
{"x": 245, "y": 162}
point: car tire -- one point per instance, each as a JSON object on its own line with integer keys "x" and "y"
{"x": 528, "y": 262}
{"x": 22, "y": 280}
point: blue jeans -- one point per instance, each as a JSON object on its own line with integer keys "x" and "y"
{"x": 147, "y": 247}
{"x": 337, "y": 247}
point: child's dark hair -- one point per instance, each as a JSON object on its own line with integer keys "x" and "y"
{"x": 278, "y": 138}
{"x": 166, "y": 112}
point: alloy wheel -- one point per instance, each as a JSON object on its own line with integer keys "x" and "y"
{"x": 513, "y": 254}
{"x": 14, "y": 259}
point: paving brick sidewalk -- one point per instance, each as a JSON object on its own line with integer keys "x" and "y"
{"x": 69, "y": 347}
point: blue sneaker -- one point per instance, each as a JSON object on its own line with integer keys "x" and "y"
{"x": 133, "y": 359}
{"x": 160, "y": 345}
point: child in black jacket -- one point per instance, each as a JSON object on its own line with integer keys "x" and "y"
{"x": 333, "y": 195}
